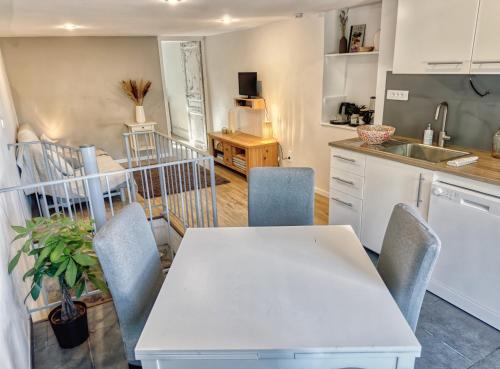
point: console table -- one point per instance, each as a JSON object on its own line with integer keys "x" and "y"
{"x": 241, "y": 152}
{"x": 142, "y": 138}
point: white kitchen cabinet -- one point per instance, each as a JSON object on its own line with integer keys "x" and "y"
{"x": 347, "y": 170}
{"x": 386, "y": 184}
{"x": 345, "y": 209}
{"x": 486, "y": 55}
{"x": 437, "y": 36}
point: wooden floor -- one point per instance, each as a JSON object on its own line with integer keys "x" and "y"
{"x": 232, "y": 201}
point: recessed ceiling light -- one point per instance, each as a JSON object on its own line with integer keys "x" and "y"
{"x": 173, "y": 2}
{"x": 69, "y": 26}
{"x": 227, "y": 19}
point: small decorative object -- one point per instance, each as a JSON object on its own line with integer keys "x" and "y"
{"x": 376, "y": 40}
{"x": 496, "y": 145}
{"x": 63, "y": 250}
{"x": 357, "y": 37}
{"x": 365, "y": 49}
{"x": 343, "y": 17}
{"x": 137, "y": 91}
{"x": 375, "y": 134}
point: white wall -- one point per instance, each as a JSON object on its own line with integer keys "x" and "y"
{"x": 69, "y": 87}
{"x": 386, "y": 55}
{"x": 175, "y": 86}
{"x": 14, "y": 322}
{"x": 288, "y": 57}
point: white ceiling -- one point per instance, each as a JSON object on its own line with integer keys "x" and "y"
{"x": 148, "y": 17}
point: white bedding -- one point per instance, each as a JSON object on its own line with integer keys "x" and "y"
{"x": 34, "y": 170}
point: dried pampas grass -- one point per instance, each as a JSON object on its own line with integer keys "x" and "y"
{"x": 136, "y": 90}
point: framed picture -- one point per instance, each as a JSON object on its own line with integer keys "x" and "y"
{"x": 357, "y": 37}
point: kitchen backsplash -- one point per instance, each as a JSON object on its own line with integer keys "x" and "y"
{"x": 472, "y": 120}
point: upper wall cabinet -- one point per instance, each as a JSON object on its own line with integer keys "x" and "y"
{"x": 486, "y": 54}
{"x": 436, "y": 36}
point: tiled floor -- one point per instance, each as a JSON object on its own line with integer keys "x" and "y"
{"x": 450, "y": 338}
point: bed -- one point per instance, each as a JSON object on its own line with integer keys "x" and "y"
{"x": 43, "y": 160}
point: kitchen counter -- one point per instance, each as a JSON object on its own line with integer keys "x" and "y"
{"x": 486, "y": 169}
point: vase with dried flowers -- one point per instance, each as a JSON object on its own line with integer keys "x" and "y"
{"x": 137, "y": 91}
{"x": 343, "y": 17}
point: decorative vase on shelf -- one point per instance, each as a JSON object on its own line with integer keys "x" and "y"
{"x": 343, "y": 45}
{"x": 140, "y": 117}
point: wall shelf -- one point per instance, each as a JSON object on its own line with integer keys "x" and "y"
{"x": 352, "y": 54}
{"x": 254, "y": 104}
{"x": 339, "y": 126}
{"x": 350, "y": 77}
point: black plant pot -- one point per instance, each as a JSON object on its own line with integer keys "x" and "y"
{"x": 73, "y": 333}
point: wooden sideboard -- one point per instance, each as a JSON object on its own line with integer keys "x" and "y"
{"x": 241, "y": 152}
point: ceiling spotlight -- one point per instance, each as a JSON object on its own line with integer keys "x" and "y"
{"x": 70, "y": 26}
{"x": 227, "y": 19}
{"x": 173, "y": 2}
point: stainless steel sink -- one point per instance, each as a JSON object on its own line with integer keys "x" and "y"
{"x": 431, "y": 154}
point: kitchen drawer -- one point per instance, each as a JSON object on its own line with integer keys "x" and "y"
{"x": 349, "y": 161}
{"x": 349, "y": 183}
{"x": 345, "y": 210}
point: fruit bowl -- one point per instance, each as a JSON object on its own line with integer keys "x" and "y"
{"x": 375, "y": 134}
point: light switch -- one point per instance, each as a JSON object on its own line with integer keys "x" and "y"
{"x": 400, "y": 95}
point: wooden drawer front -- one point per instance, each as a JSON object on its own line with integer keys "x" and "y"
{"x": 349, "y": 183}
{"x": 143, "y": 128}
{"x": 349, "y": 161}
{"x": 345, "y": 210}
{"x": 301, "y": 361}
{"x": 228, "y": 157}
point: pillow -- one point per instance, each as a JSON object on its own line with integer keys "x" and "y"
{"x": 44, "y": 137}
{"x": 26, "y": 134}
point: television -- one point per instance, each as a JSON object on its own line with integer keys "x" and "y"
{"x": 248, "y": 83}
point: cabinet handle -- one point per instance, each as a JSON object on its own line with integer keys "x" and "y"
{"x": 344, "y": 158}
{"x": 445, "y": 63}
{"x": 486, "y": 62}
{"x": 342, "y": 202}
{"x": 419, "y": 190}
{"x": 350, "y": 183}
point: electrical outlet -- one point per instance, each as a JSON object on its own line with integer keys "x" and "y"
{"x": 400, "y": 95}
{"x": 289, "y": 155}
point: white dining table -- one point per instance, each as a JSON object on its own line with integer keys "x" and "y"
{"x": 275, "y": 297}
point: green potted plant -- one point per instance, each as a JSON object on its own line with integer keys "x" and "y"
{"x": 63, "y": 250}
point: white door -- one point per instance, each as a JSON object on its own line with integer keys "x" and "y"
{"x": 191, "y": 52}
{"x": 388, "y": 183}
{"x": 435, "y": 36}
{"x": 486, "y": 54}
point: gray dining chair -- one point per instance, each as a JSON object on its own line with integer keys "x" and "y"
{"x": 280, "y": 197}
{"x": 409, "y": 253}
{"x": 130, "y": 260}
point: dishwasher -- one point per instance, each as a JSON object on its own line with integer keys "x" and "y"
{"x": 467, "y": 273}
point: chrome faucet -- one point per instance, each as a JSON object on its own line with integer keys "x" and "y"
{"x": 442, "y": 134}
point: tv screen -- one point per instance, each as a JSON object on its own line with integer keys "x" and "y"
{"x": 248, "y": 83}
